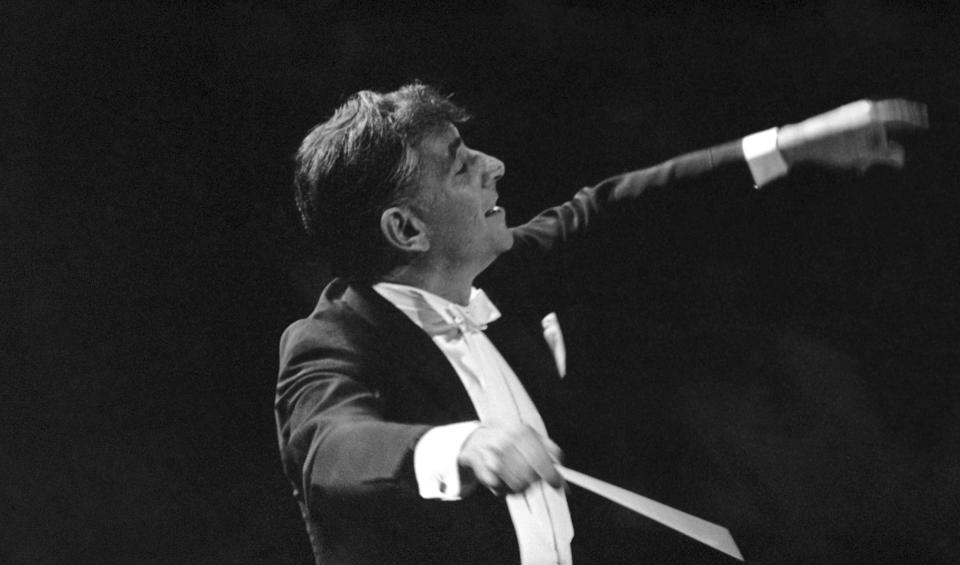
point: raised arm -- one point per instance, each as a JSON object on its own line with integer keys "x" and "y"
{"x": 853, "y": 137}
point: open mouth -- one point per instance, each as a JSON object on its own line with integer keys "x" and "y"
{"x": 492, "y": 211}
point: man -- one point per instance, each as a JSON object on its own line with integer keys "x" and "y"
{"x": 411, "y": 413}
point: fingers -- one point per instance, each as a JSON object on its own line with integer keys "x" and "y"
{"x": 511, "y": 458}
{"x": 537, "y": 455}
{"x": 516, "y": 469}
{"x": 891, "y": 116}
{"x": 891, "y": 154}
{"x": 553, "y": 449}
{"x": 487, "y": 477}
{"x": 899, "y": 114}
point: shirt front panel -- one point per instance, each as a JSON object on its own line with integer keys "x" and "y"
{"x": 540, "y": 515}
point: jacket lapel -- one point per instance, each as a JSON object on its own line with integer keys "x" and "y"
{"x": 528, "y": 355}
{"x": 410, "y": 348}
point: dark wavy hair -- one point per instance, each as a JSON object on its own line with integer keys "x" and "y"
{"x": 352, "y": 167}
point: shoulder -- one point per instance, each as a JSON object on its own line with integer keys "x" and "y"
{"x": 335, "y": 322}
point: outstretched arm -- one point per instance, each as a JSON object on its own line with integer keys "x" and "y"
{"x": 854, "y": 137}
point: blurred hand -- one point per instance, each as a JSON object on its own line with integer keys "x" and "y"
{"x": 510, "y": 458}
{"x": 853, "y": 136}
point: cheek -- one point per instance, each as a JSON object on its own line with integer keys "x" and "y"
{"x": 466, "y": 215}
{"x": 459, "y": 227}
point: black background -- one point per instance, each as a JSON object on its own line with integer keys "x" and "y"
{"x": 787, "y": 362}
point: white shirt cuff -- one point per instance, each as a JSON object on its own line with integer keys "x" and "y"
{"x": 435, "y": 460}
{"x": 764, "y": 159}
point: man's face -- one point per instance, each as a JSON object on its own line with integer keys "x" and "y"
{"x": 457, "y": 201}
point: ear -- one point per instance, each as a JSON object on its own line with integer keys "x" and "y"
{"x": 404, "y": 230}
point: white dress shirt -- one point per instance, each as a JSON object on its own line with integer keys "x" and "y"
{"x": 540, "y": 514}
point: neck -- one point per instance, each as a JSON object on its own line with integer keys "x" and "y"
{"x": 454, "y": 285}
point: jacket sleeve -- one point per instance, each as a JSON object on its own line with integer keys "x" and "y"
{"x": 334, "y": 439}
{"x": 534, "y": 254}
{"x": 559, "y": 224}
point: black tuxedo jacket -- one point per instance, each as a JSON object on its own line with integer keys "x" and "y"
{"x": 360, "y": 383}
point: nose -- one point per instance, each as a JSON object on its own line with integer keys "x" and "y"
{"x": 494, "y": 169}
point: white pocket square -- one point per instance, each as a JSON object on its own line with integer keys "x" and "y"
{"x": 554, "y": 337}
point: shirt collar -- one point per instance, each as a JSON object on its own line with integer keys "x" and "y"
{"x": 436, "y": 314}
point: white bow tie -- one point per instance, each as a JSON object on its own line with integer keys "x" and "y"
{"x": 457, "y": 320}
